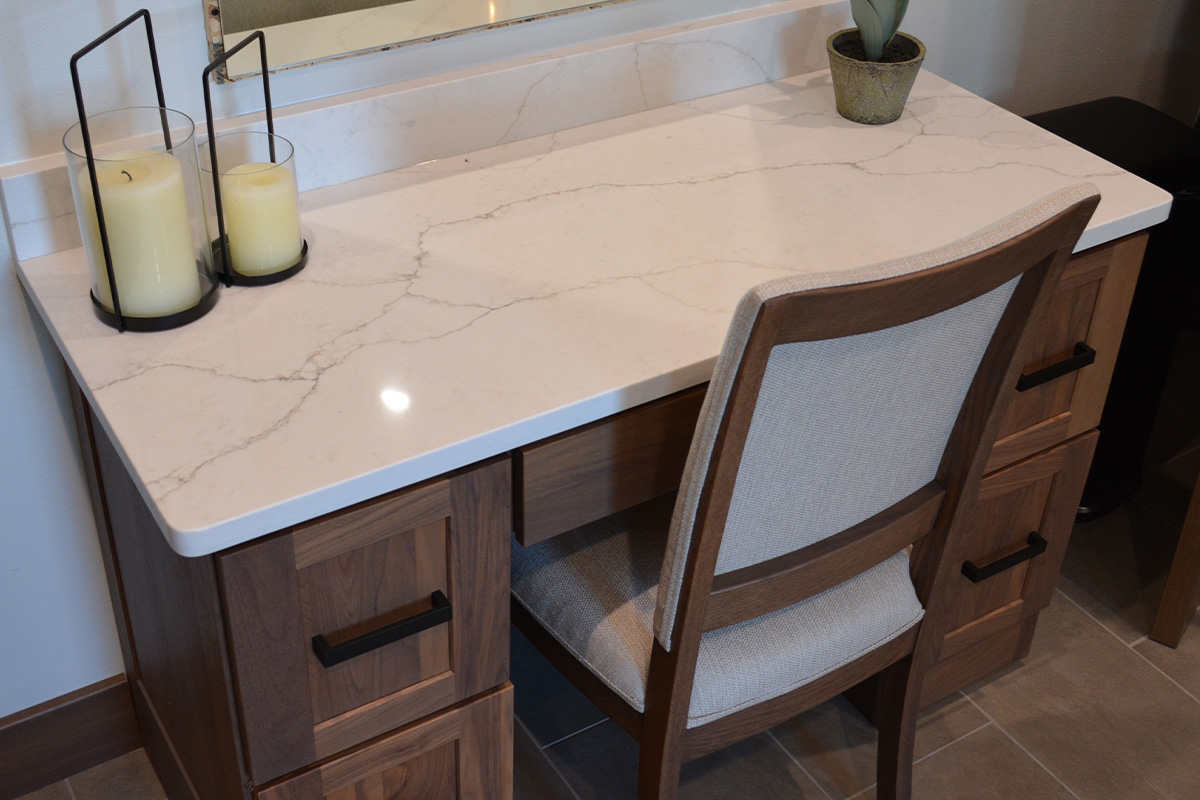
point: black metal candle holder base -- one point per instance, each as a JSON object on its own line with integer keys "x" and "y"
{"x": 232, "y": 277}
{"x": 164, "y": 323}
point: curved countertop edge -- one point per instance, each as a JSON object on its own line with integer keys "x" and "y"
{"x": 461, "y": 455}
{"x": 1124, "y": 226}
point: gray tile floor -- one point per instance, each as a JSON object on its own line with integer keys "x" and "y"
{"x": 129, "y": 777}
{"x": 1096, "y": 712}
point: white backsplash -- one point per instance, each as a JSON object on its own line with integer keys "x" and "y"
{"x": 364, "y": 133}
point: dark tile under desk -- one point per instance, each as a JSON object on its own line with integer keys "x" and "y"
{"x": 1183, "y": 468}
{"x": 129, "y": 777}
{"x": 601, "y": 764}
{"x": 1173, "y": 454}
{"x": 533, "y": 776}
{"x": 1168, "y": 474}
{"x": 1116, "y": 566}
{"x": 55, "y": 791}
{"x": 545, "y": 701}
{"x": 1099, "y": 717}
{"x": 985, "y": 765}
{"x": 837, "y": 745}
{"x": 1183, "y": 380}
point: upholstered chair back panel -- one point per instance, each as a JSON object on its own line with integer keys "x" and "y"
{"x": 843, "y": 428}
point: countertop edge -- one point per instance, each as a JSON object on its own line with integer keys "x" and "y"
{"x": 335, "y": 497}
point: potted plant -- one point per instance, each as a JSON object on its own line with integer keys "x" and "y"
{"x": 873, "y": 66}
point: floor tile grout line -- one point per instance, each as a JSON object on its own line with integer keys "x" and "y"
{"x": 551, "y": 764}
{"x": 1138, "y": 641}
{"x": 1022, "y": 747}
{"x": 1159, "y": 670}
{"x": 70, "y": 789}
{"x": 861, "y": 792}
{"x": 916, "y": 761}
{"x": 796, "y": 761}
{"x": 1090, "y": 616}
{"x": 1132, "y": 648}
{"x": 956, "y": 741}
{"x": 569, "y": 735}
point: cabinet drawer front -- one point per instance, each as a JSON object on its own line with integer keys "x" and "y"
{"x": 583, "y": 475}
{"x": 1013, "y": 578}
{"x": 465, "y": 752}
{"x": 1087, "y": 313}
{"x": 368, "y": 619}
{"x": 363, "y": 590}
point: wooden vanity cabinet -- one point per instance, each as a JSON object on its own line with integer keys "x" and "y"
{"x": 1084, "y": 325}
{"x": 463, "y": 752}
{"x": 349, "y": 578}
{"x": 1025, "y": 513}
{"x": 588, "y": 473}
{"x": 409, "y": 595}
{"x": 1037, "y": 469}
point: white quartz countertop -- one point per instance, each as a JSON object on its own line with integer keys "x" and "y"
{"x": 458, "y": 309}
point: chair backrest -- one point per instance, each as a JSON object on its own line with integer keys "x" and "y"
{"x": 848, "y": 413}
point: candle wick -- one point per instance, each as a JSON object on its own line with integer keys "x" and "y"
{"x": 127, "y": 175}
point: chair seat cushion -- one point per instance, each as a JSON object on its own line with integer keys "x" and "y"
{"x": 595, "y": 589}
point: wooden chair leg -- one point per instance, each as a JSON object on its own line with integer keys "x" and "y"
{"x": 659, "y": 768}
{"x": 896, "y": 719}
{"x": 1182, "y": 592}
{"x": 664, "y": 722}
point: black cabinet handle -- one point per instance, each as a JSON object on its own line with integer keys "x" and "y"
{"x": 1082, "y": 356}
{"x": 1037, "y": 546}
{"x": 335, "y": 654}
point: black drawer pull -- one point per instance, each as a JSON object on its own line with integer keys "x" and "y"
{"x": 335, "y": 654}
{"x": 1082, "y": 356}
{"x": 1037, "y": 546}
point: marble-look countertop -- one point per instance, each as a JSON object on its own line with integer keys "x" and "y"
{"x": 460, "y": 308}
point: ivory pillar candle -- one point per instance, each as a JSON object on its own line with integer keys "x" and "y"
{"x": 262, "y": 217}
{"x": 149, "y": 233}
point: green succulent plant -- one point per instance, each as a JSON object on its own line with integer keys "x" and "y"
{"x": 877, "y": 22}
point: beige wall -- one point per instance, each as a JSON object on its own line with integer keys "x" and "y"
{"x": 1034, "y": 55}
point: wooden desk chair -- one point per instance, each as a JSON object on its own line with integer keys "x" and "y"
{"x": 849, "y": 416}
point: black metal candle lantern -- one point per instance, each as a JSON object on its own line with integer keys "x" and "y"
{"x": 140, "y": 210}
{"x": 255, "y": 201}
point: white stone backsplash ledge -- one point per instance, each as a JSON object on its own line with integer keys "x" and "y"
{"x": 371, "y": 131}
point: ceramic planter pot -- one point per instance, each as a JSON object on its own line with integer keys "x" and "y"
{"x": 870, "y": 92}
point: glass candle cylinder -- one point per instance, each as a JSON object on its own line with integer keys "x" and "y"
{"x": 153, "y": 215}
{"x": 259, "y": 201}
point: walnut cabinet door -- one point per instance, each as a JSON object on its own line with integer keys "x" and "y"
{"x": 364, "y": 621}
{"x": 464, "y": 753}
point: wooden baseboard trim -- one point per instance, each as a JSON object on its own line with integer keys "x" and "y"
{"x": 167, "y": 766}
{"x": 66, "y": 735}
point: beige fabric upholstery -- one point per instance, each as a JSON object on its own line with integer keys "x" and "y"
{"x": 595, "y": 590}
{"x": 846, "y": 427}
{"x": 810, "y": 459}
